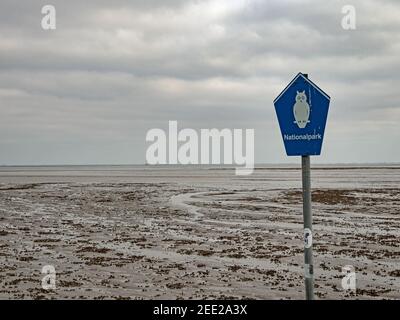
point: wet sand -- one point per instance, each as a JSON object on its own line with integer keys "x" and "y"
{"x": 170, "y": 233}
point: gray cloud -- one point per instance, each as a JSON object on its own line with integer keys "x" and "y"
{"x": 88, "y": 91}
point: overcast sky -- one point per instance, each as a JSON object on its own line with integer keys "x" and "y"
{"x": 88, "y": 92}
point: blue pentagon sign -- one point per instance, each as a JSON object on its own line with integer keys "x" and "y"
{"x": 302, "y": 110}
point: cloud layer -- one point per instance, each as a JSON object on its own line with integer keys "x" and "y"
{"x": 88, "y": 91}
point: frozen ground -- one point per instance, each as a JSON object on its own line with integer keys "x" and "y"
{"x": 143, "y": 232}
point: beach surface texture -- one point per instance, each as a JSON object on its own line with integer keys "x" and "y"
{"x": 142, "y": 232}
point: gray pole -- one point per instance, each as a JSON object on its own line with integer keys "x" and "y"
{"x": 307, "y": 217}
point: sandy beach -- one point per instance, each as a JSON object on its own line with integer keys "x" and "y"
{"x": 144, "y": 232}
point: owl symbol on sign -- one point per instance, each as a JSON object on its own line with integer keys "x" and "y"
{"x": 301, "y": 110}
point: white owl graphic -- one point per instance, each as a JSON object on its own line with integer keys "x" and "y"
{"x": 301, "y": 110}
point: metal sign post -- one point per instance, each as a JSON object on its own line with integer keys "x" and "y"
{"x": 307, "y": 218}
{"x": 302, "y": 110}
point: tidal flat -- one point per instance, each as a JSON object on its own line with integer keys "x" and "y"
{"x": 140, "y": 232}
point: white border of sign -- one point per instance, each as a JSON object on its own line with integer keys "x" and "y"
{"x": 309, "y": 81}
